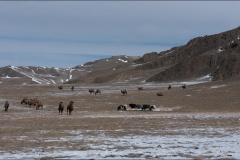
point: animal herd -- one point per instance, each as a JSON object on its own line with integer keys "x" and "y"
{"x": 37, "y": 103}
{"x": 95, "y": 92}
{"x": 32, "y": 102}
{"x": 136, "y": 106}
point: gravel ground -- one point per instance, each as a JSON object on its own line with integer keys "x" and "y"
{"x": 201, "y": 121}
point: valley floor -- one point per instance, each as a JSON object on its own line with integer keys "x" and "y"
{"x": 201, "y": 121}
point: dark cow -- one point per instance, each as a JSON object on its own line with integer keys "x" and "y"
{"x": 169, "y": 87}
{"x": 70, "y": 107}
{"x": 98, "y": 91}
{"x": 60, "y": 107}
{"x": 38, "y": 105}
{"x": 72, "y": 88}
{"x": 184, "y": 86}
{"x": 140, "y": 88}
{"x": 124, "y": 92}
{"x": 122, "y": 108}
{"x": 60, "y": 87}
{"x": 6, "y": 105}
{"x": 91, "y": 91}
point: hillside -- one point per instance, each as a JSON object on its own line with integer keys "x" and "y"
{"x": 216, "y": 57}
{"x": 90, "y": 72}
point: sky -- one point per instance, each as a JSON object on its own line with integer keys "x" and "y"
{"x": 68, "y": 33}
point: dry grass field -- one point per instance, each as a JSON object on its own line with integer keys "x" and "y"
{"x": 201, "y": 121}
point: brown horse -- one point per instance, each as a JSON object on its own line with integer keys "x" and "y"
{"x": 124, "y": 92}
{"x": 6, "y": 105}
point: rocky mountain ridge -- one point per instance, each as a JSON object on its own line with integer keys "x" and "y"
{"x": 215, "y": 56}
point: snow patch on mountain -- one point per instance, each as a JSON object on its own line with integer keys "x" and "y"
{"x": 30, "y": 75}
{"x": 123, "y": 60}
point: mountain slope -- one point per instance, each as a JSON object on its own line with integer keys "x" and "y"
{"x": 91, "y": 72}
{"x": 217, "y": 55}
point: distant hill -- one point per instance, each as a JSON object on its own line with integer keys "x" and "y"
{"x": 216, "y": 57}
{"x": 90, "y": 72}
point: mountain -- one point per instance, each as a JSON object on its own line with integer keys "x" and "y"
{"x": 90, "y": 72}
{"x": 215, "y": 57}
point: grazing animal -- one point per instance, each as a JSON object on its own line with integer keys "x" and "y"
{"x": 91, "y": 91}
{"x": 30, "y": 102}
{"x": 60, "y": 87}
{"x": 139, "y": 106}
{"x": 159, "y": 94}
{"x": 98, "y": 91}
{"x": 153, "y": 107}
{"x": 122, "y": 107}
{"x": 132, "y": 105}
{"x": 124, "y": 92}
{"x": 136, "y": 106}
{"x": 184, "y": 86}
{"x": 169, "y": 87}
{"x": 6, "y": 105}
{"x": 35, "y": 100}
{"x": 25, "y": 100}
{"x": 70, "y": 107}
{"x": 147, "y": 106}
{"x": 72, "y": 88}
{"x": 140, "y": 88}
{"x": 39, "y": 104}
{"x": 60, "y": 107}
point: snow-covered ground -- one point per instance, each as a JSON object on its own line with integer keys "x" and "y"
{"x": 169, "y": 147}
{"x": 179, "y": 143}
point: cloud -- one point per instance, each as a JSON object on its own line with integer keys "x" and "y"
{"x": 107, "y": 27}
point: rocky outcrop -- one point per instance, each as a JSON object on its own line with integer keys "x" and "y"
{"x": 147, "y": 57}
{"x": 218, "y": 55}
{"x": 219, "y": 66}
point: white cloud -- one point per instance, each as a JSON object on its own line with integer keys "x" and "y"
{"x": 109, "y": 28}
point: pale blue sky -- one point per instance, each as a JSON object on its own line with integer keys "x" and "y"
{"x": 66, "y": 34}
